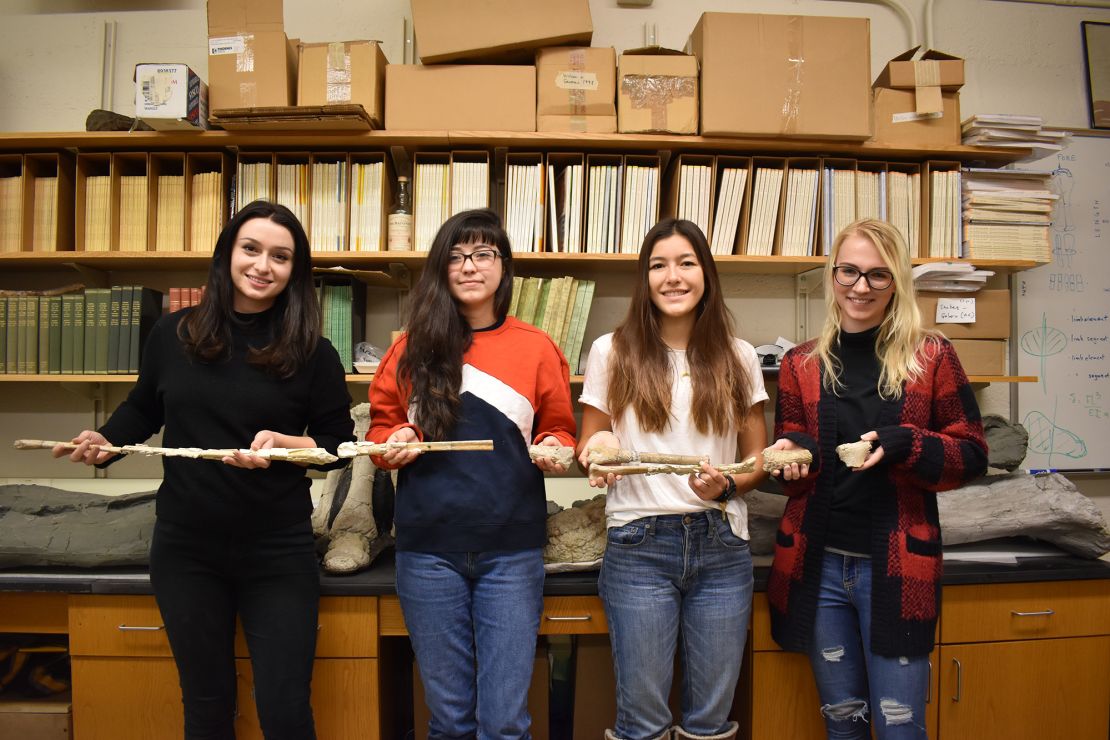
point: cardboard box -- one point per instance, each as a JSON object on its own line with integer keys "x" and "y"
{"x": 657, "y": 92}
{"x": 502, "y": 31}
{"x": 576, "y": 88}
{"x": 981, "y": 356}
{"x": 343, "y": 72}
{"x": 898, "y": 124}
{"x": 251, "y": 63}
{"x": 930, "y": 75}
{"x": 992, "y": 314}
{"x": 752, "y": 83}
{"x": 170, "y": 97}
{"x": 45, "y": 719}
{"x": 441, "y": 98}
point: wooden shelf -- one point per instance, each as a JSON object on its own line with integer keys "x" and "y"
{"x": 545, "y": 140}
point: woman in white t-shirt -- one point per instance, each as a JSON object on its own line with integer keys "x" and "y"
{"x": 673, "y": 378}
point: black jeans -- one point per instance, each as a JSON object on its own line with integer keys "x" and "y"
{"x": 270, "y": 580}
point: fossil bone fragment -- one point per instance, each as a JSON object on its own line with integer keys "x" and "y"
{"x": 612, "y": 456}
{"x": 354, "y": 449}
{"x": 853, "y": 454}
{"x": 747, "y": 466}
{"x": 559, "y": 455}
{"x": 779, "y": 459}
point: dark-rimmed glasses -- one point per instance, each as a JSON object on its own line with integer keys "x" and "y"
{"x": 877, "y": 279}
{"x": 482, "y": 258}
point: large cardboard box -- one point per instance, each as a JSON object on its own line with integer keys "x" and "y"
{"x": 981, "y": 356}
{"x": 576, "y": 88}
{"x": 441, "y": 98}
{"x": 784, "y": 75}
{"x": 502, "y": 31}
{"x": 343, "y": 72}
{"x": 251, "y": 63}
{"x": 992, "y": 314}
{"x": 898, "y": 124}
{"x": 170, "y": 97}
{"x": 928, "y": 76}
{"x": 657, "y": 91}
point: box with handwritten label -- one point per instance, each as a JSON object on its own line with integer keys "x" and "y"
{"x": 984, "y": 314}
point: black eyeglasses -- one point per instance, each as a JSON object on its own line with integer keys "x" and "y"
{"x": 482, "y": 258}
{"x": 877, "y": 279}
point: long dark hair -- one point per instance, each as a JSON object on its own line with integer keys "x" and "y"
{"x": 438, "y": 335}
{"x": 206, "y": 330}
{"x": 640, "y": 371}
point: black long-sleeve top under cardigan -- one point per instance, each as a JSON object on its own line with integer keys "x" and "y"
{"x": 225, "y": 404}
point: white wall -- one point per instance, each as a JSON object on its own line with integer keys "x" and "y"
{"x": 1021, "y": 58}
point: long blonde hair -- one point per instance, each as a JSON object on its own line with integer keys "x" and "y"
{"x": 900, "y": 335}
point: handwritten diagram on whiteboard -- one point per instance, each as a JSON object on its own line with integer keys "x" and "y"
{"x": 1063, "y": 319}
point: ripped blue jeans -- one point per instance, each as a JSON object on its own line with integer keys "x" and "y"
{"x": 851, "y": 680}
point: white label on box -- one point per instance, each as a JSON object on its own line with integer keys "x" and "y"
{"x": 576, "y": 81}
{"x": 955, "y": 311}
{"x": 913, "y": 116}
{"x": 219, "y": 45}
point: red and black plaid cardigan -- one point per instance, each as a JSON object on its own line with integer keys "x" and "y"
{"x": 932, "y": 439}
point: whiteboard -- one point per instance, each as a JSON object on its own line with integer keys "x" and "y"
{"x": 1063, "y": 318}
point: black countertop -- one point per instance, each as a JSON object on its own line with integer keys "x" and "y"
{"x": 378, "y": 579}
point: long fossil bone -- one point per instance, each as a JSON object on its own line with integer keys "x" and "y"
{"x": 354, "y": 449}
{"x": 304, "y": 455}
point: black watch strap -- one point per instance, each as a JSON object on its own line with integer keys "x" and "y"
{"x": 729, "y": 492}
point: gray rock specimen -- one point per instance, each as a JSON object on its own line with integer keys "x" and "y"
{"x": 1007, "y": 443}
{"x": 577, "y": 534}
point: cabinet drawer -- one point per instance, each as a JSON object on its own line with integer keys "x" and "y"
{"x": 573, "y": 615}
{"x": 42, "y": 613}
{"x": 116, "y": 698}
{"x": 116, "y": 625}
{"x": 1023, "y": 611}
{"x": 761, "y": 625}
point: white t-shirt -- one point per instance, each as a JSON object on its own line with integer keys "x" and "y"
{"x": 638, "y": 496}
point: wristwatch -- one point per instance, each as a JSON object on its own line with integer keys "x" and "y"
{"x": 729, "y": 492}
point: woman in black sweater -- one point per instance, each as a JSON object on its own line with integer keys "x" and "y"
{"x": 247, "y": 367}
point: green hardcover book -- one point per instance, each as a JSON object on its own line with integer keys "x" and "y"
{"x": 31, "y": 335}
{"x": 554, "y": 310}
{"x": 529, "y": 297}
{"x": 21, "y": 334}
{"x": 518, "y": 284}
{"x": 111, "y": 358}
{"x": 123, "y": 347}
{"x": 66, "y": 365}
{"x": 78, "y": 333}
{"x": 146, "y": 309}
{"x": 54, "y": 344}
{"x": 580, "y": 330}
{"x": 541, "y": 303}
{"x": 568, "y": 315}
{"x": 575, "y": 320}
{"x": 92, "y": 304}
{"x": 43, "y": 331}
{"x": 3, "y": 335}
{"x": 100, "y": 357}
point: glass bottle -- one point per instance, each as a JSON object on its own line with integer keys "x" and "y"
{"x": 399, "y": 230}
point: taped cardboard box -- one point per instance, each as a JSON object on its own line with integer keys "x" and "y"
{"x": 251, "y": 63}
{"x": 441, "y": 97}
{"x": 932, "y": 73}
{"x": 981, "y": 356}
{"x": 992, "y": 314}
{"x": 170, "y": 97}
{"x": 502, "y": 31}
{"x": 898, "y": 124}
{"x": 784, "y": 75}
{"x": 576, "y": 88}
{"x": 343, "y": 72}
{"x": 657, "y": 92}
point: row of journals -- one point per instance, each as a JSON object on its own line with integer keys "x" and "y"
{"x": 559, "y": 306}
{"x": 98, "y": 331}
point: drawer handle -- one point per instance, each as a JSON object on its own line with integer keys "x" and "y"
{"x": 129, "y": 628}
{"x": 1044, "y": 613}
{"x": 959, "y": 680}
{"x": 929, "y": 686}
{"x": 585, "y": 618}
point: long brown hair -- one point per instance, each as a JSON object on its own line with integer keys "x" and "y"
{"x": 640, "y": 370}
{"x": 205, "y": 331}
{"x": 438, "y": 334}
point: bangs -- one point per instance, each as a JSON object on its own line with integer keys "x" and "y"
{"x": 479, "y": 233}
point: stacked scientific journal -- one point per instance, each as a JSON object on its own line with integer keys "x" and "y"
{"x": 1007, "y": 214}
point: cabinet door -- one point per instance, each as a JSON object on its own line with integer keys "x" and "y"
{"x": 117, "y": 698}
{"x": 1026, "y": 689}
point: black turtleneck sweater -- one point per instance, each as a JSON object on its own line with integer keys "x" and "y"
{"x": 857, "y": 412}
{"x": 224, "y": 404}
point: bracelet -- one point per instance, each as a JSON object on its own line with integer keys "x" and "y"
{"x": 729, "y": 492}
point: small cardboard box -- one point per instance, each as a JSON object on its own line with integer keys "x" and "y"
{"x": 502, "y": 31}
{"x": 784, "y": 75}
{"x": 170, "y": 97}
{"x": 657, "y": 92}
{"x": 251, "y": 63}
{"x": 992, "y": 314}
{"x": 47, "y": 719}
{"x": 981, "y": 356}
{"x": 343, "y": 72}
{"x": 441, "y": 98}
{"x": 897, "y": 123}
{"x": 934, "y": 72}
{"x": 576, "y": 88}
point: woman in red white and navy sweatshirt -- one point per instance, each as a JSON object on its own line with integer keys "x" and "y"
{"x": 471, "y": 526}
{"x": 855, "y": 581}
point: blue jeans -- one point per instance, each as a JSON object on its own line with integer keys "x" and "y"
{"x": 669, "y": 576}
{"x": 473, "y": 618}
{"x": 848, "y": 674}
{"x": 271, "y": 580}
